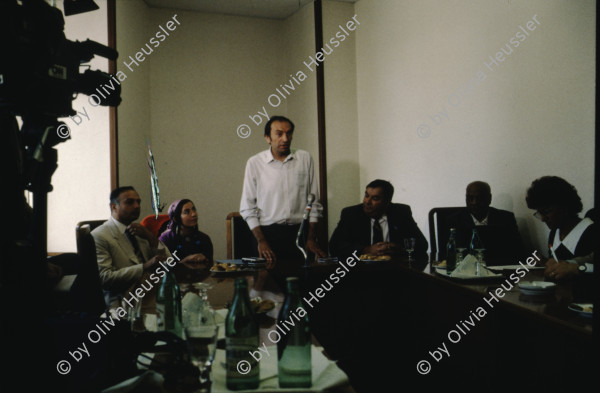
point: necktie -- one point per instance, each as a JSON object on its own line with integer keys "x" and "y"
{"x": 136, "y": 246}
{"x": 377, "y": 232}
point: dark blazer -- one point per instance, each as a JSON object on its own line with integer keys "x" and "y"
{"x": 353, "y": 232}
{"x": 500, "y": 238}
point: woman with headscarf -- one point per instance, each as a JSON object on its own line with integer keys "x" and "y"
{"x": 193, "y": 247}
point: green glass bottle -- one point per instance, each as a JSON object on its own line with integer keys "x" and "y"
{"x": 294, "y": 347}
{"x": 451, "y": 252}
{"x": 476, "y": 243}
{"x": 168, "y": 305}
{"x": 241, "y": 338}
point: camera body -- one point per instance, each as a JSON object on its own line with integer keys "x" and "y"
{"x": 39, "y": 66}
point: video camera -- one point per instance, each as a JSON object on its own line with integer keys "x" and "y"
{"x": 39, "y": 70}
{"x": 39, "y": 79}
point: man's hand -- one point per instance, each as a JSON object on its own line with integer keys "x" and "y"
{"x": 313, "y": 247}
{"x": 382, "y": 248}
{"x": 264, "y": 251}
{"x": 149, "y": 264}
{"x": 559, "y": 270}
{"x": 138, "y": 229}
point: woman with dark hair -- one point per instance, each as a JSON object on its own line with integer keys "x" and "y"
{"x": 571, "y": 238}
{"x": 182, "y": 237}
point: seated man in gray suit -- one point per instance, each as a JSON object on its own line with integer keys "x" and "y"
{"x": 125, "y": 249}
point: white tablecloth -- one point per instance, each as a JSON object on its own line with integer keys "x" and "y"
{"x": 325, "y": 373}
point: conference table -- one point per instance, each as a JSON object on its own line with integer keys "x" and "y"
{"x": 393, "y": 323}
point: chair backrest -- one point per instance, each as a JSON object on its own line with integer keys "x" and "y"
{"x": 156, "y": 225}
{"x": 438, "y": 228}
{"x": 239, "y": 237}
{"x": 93, "y": 224}
{"x": 86, "y": 247}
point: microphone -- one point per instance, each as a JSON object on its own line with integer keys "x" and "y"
{"x": 311, "y": 199}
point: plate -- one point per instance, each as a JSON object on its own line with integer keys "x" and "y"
{"x": 579, "y": 308}
{"x": 240, "y": 270}
{"x": 247, "y": 262}
{"x": 257, "y": 301}
{"x": 536, "y": 287}
{"x": 442, "y": 271}
{"x": 514, "y": 267}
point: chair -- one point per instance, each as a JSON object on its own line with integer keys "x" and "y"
{"x": 240, "y": 241}
{"x": 156, "y": 225}
{"x": 438, "y": 228}
{"x": 86, "y": 247}
{"x": 93, "y": 224}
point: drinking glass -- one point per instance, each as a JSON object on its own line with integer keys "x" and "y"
{"x": 480, "y": 261}
{"x": 460, "y": 255}
{"x": 135, "y": 317}
{"x": 409, "y": 246}
{"x": 201, "y": 332}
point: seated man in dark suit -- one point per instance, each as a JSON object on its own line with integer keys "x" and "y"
{"x": 377, "y": 226}
{"x": 496, "y": 228}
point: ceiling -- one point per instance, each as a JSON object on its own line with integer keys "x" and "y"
{"x": 275, "y": 9}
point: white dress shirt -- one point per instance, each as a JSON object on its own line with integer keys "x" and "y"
{"x": 276, "y": 192}
{"x": 479, "y": 223}
{"x": 385, "y": 231}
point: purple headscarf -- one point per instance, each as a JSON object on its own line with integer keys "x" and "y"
{"x": 175, "y": 215}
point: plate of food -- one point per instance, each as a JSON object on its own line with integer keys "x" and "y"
{"x": 440, "y": 265}
{"x": 262, "y": 306}
{"x": 374, "y": 258}
{"x": 221, "y": 268}
{"x": 583, "y": 309}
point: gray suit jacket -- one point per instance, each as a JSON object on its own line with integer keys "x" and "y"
{"x": 119, "y": 266}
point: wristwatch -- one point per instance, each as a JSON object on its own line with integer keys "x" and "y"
{"x": 582, "y": 267}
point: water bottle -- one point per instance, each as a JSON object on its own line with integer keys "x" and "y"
{"x": 241, "y": 338}
{"x": 451, "y": 251}
{"x": 168, "y": 305}
{"x": 294, "y": 348}
{"x": 476, "y": 243}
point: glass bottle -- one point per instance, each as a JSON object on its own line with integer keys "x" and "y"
{"x": 476, "y": 243}
{"x": 168, "y": 305}
{"x": 294, "y": 348}
{"x": 451, "y": 251}
{"x": 241, "y": 338}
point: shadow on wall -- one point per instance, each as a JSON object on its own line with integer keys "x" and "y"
{"x": 343, "y": 189}
{"x": 527, "y": 235}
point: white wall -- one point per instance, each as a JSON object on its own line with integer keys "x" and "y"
{"x": 82, "y": 181}
{"x": 532, "y": 116}
{"x": 341, "y": 120}
{"x": 134, "y": 29}
{"x": 401, "y": 69}
{"x": 195, "y": 90}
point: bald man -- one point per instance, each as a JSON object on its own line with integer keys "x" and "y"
{"x": 497, "y": 228}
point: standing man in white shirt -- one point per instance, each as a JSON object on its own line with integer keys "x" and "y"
{"x": 277, "y": 183}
